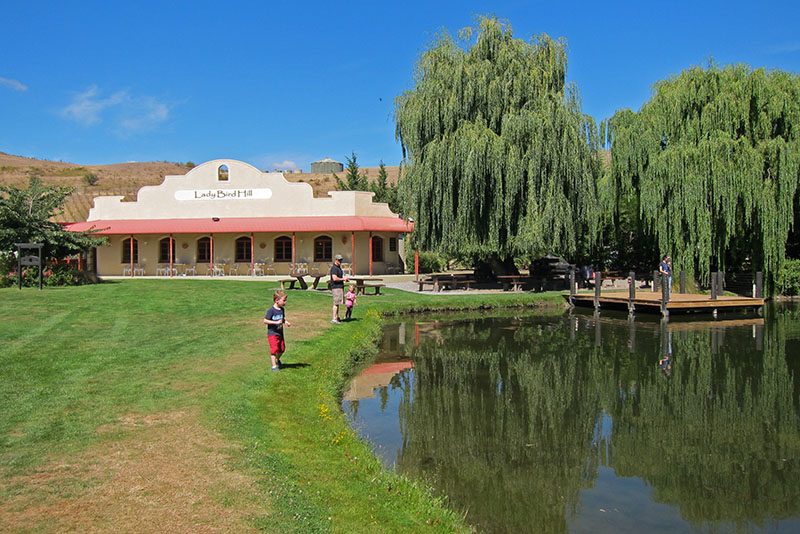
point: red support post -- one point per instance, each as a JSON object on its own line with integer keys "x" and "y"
{"x": 171, "y": 253}
{"x": 131, "y": 255}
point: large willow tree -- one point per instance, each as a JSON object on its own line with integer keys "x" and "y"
{"x": 713, "y": 157}
{"x": 502, "y": 161}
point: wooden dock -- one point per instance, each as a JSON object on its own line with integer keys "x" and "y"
{"x": 649, "y": 302}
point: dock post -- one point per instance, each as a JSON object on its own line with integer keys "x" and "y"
{"x": 664, "y": 295}
{"x": 598, "y": 335}
{"x": 758, "y": 333}
{"x": 571, "y": 287}
{"x": 656, "y": 276}
{"x": 683, "y": 282}
{"x": 714, "y": 285}
{"x": 631, "y": 291}
{"x": 598, "y": 282}
{"x": 631, "y": 334}
{"x": 759, "y": 285}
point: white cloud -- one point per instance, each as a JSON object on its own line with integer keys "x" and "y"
{"x": 285, "y": 164}
{"x": 786, "y": 48}
{"x": 14, "y": 84}
{"x": 125, "y": 113}
{"x": 86, "y": 108}
{"x": 144, "y": 114}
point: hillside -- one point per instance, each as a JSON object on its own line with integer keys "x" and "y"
{"x": 126, "y": 178}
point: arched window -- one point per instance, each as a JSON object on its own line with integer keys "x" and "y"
{"x": 323, "y": 249}
{"x": 222, "y": 173}
{"x": 163, "y": 250}
{"x": 283, "y": 248}
{"x": 126, "y": 250}
{"x": 244, "y": 252}
{"x": 204, "y": 250}
{"x": 377, "y": 248}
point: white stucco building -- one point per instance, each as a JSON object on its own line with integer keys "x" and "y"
{"x": 228, "y": 213}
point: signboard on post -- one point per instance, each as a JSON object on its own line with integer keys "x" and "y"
{"x": 29, "y": 255}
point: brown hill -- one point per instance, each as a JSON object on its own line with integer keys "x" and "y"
{"x": 127, "y": 178}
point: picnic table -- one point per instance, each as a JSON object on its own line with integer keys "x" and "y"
{"x": 316, "y": 277}
{"x": 612, "y": 276}
{"x": 449, "y": 281}
{"x": 513, "y": 281}
{"x": 363, "y": 282}
{"x": 298, "y": 278}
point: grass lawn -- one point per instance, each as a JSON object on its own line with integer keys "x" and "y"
{"x": 148, "y": 405}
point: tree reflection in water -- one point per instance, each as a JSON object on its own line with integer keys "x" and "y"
{"x": 514, "y": 418}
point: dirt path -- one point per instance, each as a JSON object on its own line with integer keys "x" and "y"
{"x": 166, "y": 473}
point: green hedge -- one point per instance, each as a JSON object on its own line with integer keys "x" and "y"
{"x": 789, "y": 280}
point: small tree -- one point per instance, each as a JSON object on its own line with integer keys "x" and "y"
{"x": 384, "y": 191}
{"x": 354, "y": 180}
{"x": 26, "y": 216}
{"x": 90, "y": 179}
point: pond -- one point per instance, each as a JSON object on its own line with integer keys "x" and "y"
{"x": 583, "y": 423}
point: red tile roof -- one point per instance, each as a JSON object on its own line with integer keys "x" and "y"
{"x": 229, "y": 225}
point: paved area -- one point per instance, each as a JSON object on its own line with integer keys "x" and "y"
{"x": 413, "y": 287}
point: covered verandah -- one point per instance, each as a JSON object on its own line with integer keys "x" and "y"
{"x": 171, "y": 247}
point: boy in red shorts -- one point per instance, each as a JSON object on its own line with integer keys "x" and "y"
{"x": 275, "y": 319}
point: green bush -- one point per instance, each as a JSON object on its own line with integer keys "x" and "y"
{"x": 53, "y": 276}
{"x": 7, "y": 264}
{"x": 90, "y": 178}
{"x": 789, "y": 280}
{"x": 429, "y": 262}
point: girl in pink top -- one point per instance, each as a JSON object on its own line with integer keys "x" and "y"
{"x": 349, "y": 301}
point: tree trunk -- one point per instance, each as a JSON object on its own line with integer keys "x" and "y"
{"x": 495, "y": 266}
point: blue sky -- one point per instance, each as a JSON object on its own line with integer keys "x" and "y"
{"x": 282, "y": 84}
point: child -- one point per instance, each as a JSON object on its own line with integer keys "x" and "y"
{"x": 275, "y": 319}
{"x": 349, "y": 301}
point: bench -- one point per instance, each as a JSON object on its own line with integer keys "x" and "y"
{"x": 291, "y": 282}
{"x": 423, "y": 283}
{"x": 462, "y": 283}
{"x": 316, "y": 278}
{"x": 377, "y": 288}
{"x": 513, "y": 281}
{"x": 455, "y": 283}
{"x": 612, "y": 276}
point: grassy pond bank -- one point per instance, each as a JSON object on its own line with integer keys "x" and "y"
{"x": 148, "y": 405}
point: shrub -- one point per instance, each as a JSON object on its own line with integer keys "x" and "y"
{"x": 7, "y": 264}
{"x": 90, "y": 178}
{"x": 429, "y": 262}
{"x": 53, "y": 276}
{"x": 789, "y": 279}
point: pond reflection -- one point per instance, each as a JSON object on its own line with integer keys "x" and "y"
{"x": 584, "y": 423}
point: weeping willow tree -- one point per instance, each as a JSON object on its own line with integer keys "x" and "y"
{"x": 502, "y": 162}
{"x": 713, "y": 158}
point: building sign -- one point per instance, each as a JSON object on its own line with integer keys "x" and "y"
{"x": 223, "y": 194}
